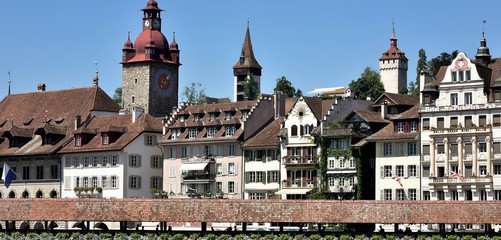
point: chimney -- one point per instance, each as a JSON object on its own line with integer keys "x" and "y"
{"x": 78, "y": 121}
{"x": 41, "y": 87}
{"x": 384, "y": 110}
{"x": 136, "y": 113}
{"x": 279, "y": 104}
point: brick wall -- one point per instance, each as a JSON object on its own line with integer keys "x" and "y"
{"x": 213, "y": 210}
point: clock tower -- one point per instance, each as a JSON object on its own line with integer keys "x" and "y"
{"x": 150, "y": 67}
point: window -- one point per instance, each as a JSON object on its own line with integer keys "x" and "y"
{"x": 454, "y": 195}
{"x": 257, "y": 195}
{"x": 94, "y": 182}
{"x": 468, "y": 121}
{"x": 184, "y": 152}
{"x": 156, "y": 182}
{"x": 212, "y": 116}
{"x": 497, "y": 95}
{"x": 67, "y": 163}
{"x": 426, "y": 124}
{"x": 496, "y": 147}
{"x": 387, "y": 149}
{"x": 331, "y": 161}
{"x": 426, "y": 195}
{"x": 412, "y": 149}
{"x": 245, "y": 114}
{"x": 352, "y": 162}
{"x": 400, "y": 170}
{"x": 232, "y": 187}
{"x": 467, "y": 148}
{"x": 497, "y": 169}
{"x": 454, "y": 122}
{"x": 114, "y": 182}
{"x": 175, "y": 133}
{"x": 307, "y": 129}
{"x": 114, "y": 160}
{"x": 211, "y": 132}
{"x": 172, "y": 152}
{"x": 172, "y": 171}
{"x": 135, "y": 182}
{"x": 85, "y": 181}
{"x": 412, "y": 170}
{"x": 134, "y": 160}
{"x": 387, "y": 171}
{"x": 454, "y": 149}
{"x": 496, "y": 120}
{"x": 454, "y": 99}
{"x": 399, "y": 149}
{"x": 273, "y": 176}
{"x": 192, "y": 132}
{"x": 95, "y": 161}
{"x": 26, "y": 172}
{"x": 39, "y": 172}
{"x": 259, "y": 176}
{"x": 104, "y": 182}
{"x": 156, "y": 162}
{"x": 86, "y": 162}
{"x": 341, "y": 162}
{"x": 231, "y": 150}
{"x": 413, "y": 126}
{"x": 76, "y": 162}
{"x": 105, "y": 138}
{"x": 482, "y": 121}
{"x": 440, "y": 123}
{"x": 482, "y": 147}
{"x": 440, "y": 148}
{"x": 78, "y": 140}
{"x": 387, "y": 194}
{"x": 196, "y": 117}
{"x": 293, "y": 130}
{"x": 426, "y": 149}
{"x": 412, "y": 194}
{"x": 483, "y": 170}
{"x": 150, "y": 140}
{"x": 400, "y": 194}
{"x": 105, "y": 161}
{"x": 227, "y": 116}
{"x": 400, "y": 127}
{"x": 468, "y": 98}
{"x": 232, "y": 168}
{"x": 219, "y": 168}
{"x": 229, "y": 130}
{"x": 54, "y": 171}
{"x": 454, "y": 76}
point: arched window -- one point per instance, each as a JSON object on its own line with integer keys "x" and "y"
{"x": 53, "y": 194}
{"x": 39, "y": 194}
{"x": 294, "y": 130}
{"x": 12, "y": 194}
{"x": 26, "y": 194}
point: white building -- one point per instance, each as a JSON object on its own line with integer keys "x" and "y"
{"x": 393, "y": 66}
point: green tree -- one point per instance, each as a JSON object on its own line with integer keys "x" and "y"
{"x": 422, "y": 64}
{"x": 193, "y": 94}
{"x": 298, "y": 93}
{"x": 444, "y": 59}
{"x": 117, "y": 97}
{"x": 368, "y": 85}
{"x": 251, "y": 88}
{"x": 285, "y": 86}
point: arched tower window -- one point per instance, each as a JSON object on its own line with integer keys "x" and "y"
{"x": 26, "y": 194}
{"x": 39, "y": 194}
{"x": 12, "y": 194}
{"x": 53, "y": 194}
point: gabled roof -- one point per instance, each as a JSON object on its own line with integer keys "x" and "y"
{"x": 397, "y": 99}
{"x": 122, "y": 124}
{"x": 388, "y": 132}
{"x": 267, "y": 137}
{"x": 50, "y": 111}
{"x": 370, "y": 117}
{"x": 315, "y": 104}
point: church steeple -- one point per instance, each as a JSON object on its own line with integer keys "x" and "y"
{"x": 483, "y": 54}
{"x": 245, "y": 66}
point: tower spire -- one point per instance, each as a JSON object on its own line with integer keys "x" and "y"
{"x": 9, "y": 83}
{"x": 393, "y": 35}
{"x": 95, "y": 80}
{"x": 483, "y": 53}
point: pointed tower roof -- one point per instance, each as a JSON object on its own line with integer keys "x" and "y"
{"x": 247, "y": 59}
{"x": 393, "y": 52}
{"x": 483, "y": 53}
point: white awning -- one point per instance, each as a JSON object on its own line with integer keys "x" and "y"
{"x": 193, "y": 166}
{"x": 293, "y": 191}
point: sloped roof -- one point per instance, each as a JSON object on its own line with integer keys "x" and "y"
{"x": 117, "y": 123}
{"x": 249, "y": 61}
{"x": 371, "y": 117}
{"x": 52, "y": 111}
{"x": 397, "y": 99}
{"x": 267, "y": 137}
{"x": 388, "y": 133}
{"x": 315, "y": 104}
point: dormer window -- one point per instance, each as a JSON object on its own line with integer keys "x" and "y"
{"x": 497, "y": 95}
{"x": 175, "y": 133}
{"x": 229, "y": 130}
{"x": 212, "y": 116}
{"x": 245, "y": 114}
{"x": 227, "y": 116}
{"x": 413, "y": 126}
{"x": 196, "y": 117}
{"x": 400, "y": 127}
{"x": 181, "y": 119}
{"x": 105, "y": 138}
{"x": 78, "y": 140}
{"x": 192, "y": 132}
{"x": 211, "y": 132}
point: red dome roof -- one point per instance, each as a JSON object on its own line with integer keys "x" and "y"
{"x": 145, "y": 39}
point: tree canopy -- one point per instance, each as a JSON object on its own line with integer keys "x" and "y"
{"x": 117, "y": 97}
{"x": 444, "y": 59}
{"x": 251, "y": 88}
{"x": 368, "y": 85}
{"x": 193, "y": 94}
{"x": 285, "y": 86}
{"x": 422, "y": 64}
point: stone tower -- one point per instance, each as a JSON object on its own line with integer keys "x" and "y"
{"x": 245, "y": 66}
{"x": 393, "y": 67}
{"x": 150, "y": 67}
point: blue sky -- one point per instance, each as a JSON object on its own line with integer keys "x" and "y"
{"x": 314, "y": 44}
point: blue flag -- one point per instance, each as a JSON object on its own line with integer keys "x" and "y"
{"x": 8, "y": 175}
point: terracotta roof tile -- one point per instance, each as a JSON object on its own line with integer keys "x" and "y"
{"x": 397, "y": 99}
{"x": 267, "y": 137}
{"x": 388, "y": 132}
{"x": 371, "y": 116}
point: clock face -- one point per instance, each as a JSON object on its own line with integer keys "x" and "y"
{"x": 147, "y": 23}
{"x": 156, "y": 24}
{"x": 164, "y": 81}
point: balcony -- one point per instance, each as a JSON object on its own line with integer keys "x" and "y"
{"x": 191, "y": 176}
{"x": 455, "y": 181}
{"x": 461, "y": 131}
{"x": 299, "y": 182}
{"x": 300, "y": 160}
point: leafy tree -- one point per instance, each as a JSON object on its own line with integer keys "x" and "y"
{"x": 285, "y": 86}
{"x": 368, "y": 85}
{"x": 422, "y": 64}
{"x": 298, "y": 93}
{"x": 117, "y": 97}
{"x": 251, "y": 88}
{"x": 193, "y": 94}
{"x": 444, "y": 59}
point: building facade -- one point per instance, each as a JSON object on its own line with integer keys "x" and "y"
{"x": 393, "y": 66}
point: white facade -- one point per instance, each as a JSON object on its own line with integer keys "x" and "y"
{"x": 262, "y": 173}
{"x": 393, "y": 73}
